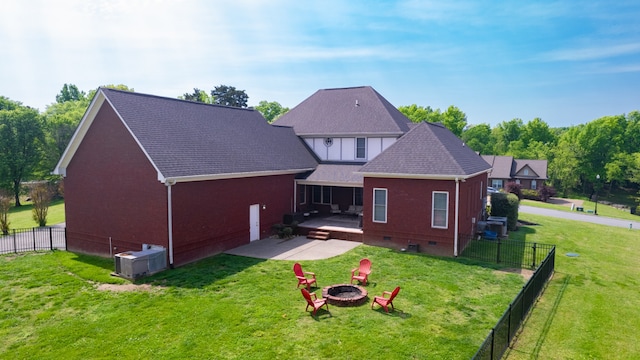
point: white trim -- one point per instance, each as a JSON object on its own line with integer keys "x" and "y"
{"x": 456, "y": 219}
{"x": 433, "y": 208}
{"x": 420, "y": 176}
{"x": 386, "y": 205}
{"x": 231, "y": 175}
{"x": 170, "y": 222}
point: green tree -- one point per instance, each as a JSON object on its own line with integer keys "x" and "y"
{"x": 455, "y": 120}
{"x": 60, "y": 122}
{"x": 478, "y": 137}
{"x": 8, "y": 104}
{"x": 271, "y": 110}
{"x": 565, "y": 166}
{"x": 122, "y": 87}
{"x": 198, "y": 96}
{"x": 21, "y": 136}
{"x": 418, "y": 114}
{"x": 505, "y": 133}
{"x": 70, "y": 92}
{"x": 537, "y": 130}
{"x": 229, "y": 96}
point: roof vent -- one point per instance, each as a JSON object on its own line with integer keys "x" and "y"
{"x": 357, "y": 103}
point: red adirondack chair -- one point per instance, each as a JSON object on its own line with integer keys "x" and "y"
{"x": 313, "y": 301}
{"x": 385, "y": 302}
{"x": 301, "y": 275}
{"x": 361, "y": 273}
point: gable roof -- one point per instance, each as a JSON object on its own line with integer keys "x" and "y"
{"x": 506, "y": 167}
{"x": 335, "y": 175}
{"x": 346, "y": 112}
{"x": 502, "y": 166}
{"x": 427, "y": 151}
{"x": 189, "y": 141}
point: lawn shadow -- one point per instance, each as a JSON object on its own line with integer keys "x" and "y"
{"x": 201, "y": 273}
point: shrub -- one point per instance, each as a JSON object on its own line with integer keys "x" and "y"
{"x": 530, "y": 194}
{"x": 545, "y": 192}
{"x": 41, "y": 197}
{"x": 506, "y": 205}
{"x": 513, "y": 188}
{"x": 5, "y": 205}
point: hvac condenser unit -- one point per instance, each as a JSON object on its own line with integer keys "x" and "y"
{"x": 135, "y": 264}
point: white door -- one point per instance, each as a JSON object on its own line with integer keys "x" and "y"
{"x": 254, "y": 222}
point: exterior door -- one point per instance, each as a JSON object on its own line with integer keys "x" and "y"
{"x": 254, "y": 222}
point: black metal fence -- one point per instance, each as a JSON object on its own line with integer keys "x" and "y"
{"x": 501, "y": 335}
{"x": 515, "y": 253}
{"x": 33, "y": 239}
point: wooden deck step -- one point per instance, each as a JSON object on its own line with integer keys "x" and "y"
{"x": 318, "y": 235}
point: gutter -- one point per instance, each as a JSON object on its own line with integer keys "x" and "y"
{"x": 169, "y": 184}
{"x": 456, "y": 219}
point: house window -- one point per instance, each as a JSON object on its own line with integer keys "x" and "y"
{"x": 496, "y": 183}
{"x": 302, "y": 194}
{"x": 526, "y": 171}
{"x": 380, "y": 205}
{"x": 518, "y": 181}
{"x": 357, "y": 196}
{"x": 321, "y": 194}
{"x": 534, "y": 185}
{"x": 440, "y": 213}
{"x": 361, "y": 152}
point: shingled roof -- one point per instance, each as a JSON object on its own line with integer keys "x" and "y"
{"x": 194, "y": 141}
{"x": 427, "y": 151}
{"x": 346, "y": 112}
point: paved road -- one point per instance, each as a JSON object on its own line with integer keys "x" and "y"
{"x": 596, "y": 219}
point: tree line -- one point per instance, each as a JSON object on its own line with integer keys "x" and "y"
{"x": 604, "y": 152}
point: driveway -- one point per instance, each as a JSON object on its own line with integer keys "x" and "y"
{"x": 595, "y": 219}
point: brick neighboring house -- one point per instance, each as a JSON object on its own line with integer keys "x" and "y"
{"x": 200, "y": 179}
{"x": 531, "y": 174}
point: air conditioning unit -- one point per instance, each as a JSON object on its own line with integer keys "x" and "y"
{"x": 136, "y": 264}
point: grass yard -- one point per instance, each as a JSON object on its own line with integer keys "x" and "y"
{"x": 591, "y": 308}
{"x": 22, "y": 217}
{"x": 603, "y": 210}
{"x": 229, "y": 307}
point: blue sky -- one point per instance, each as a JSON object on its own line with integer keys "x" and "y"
{"x": 567, "y": 62}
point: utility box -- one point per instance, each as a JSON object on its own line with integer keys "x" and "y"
{"x": 136, "y": 264}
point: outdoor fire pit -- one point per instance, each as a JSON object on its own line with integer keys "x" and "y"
{"x": 345, "y": 295}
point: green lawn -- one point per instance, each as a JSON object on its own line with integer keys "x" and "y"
{"x": 230, "y": 307}
{"x": 603, "y": 210}
{"x": 22, "y": 217}
{"x": 591, "y": 309}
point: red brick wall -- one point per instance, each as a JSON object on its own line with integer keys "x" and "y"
{"x": 409, "y": 213}
{"x": 210, "y": 217}
{"x": 111, "y": 190}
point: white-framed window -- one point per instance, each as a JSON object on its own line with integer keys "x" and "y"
{"x": 496, "y": 183}
{"x": 518, "y": 181}
{"x": 534, "y": 185}
{"x": 380, "y": 205}
{"x": 526, "y": 172}
{"x": 321, "y": 194}
{"x": 361, "y": 148}
{"x": 440, "y": 210}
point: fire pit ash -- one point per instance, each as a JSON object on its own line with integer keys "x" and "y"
{"x": 345, "y": 295}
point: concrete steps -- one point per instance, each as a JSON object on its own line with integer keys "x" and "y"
{"x": 318, "y": 235}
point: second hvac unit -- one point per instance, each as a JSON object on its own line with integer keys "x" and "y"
{"x": 136, "y": 264}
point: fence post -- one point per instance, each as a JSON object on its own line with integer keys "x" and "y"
{"x": 33, "y": 231}
{"x": 533, "y": 266}
{"x": 15, "y": 245}
{"x": 498, "y": 252}
{"x": 50, "y": 238}
{"x": 65, "y": 239}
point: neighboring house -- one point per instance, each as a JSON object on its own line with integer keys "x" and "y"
{"x": 416, "y": 183}
{"x": 530, "y": 174}
{"x": 195, "y": 178}
{"x": 200, "y": 179}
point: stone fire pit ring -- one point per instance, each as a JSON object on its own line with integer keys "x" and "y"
{"x": 345, "y": 295}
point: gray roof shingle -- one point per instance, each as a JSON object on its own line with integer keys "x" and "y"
{"x": 336, "y": 174}
{"x": 345, "y": 111}
{"x": 185, "y": 139}
{"x": 428, "y": 150}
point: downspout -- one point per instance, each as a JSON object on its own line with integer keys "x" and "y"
{"x": 457, "y": 215}
{"x": 170, "y": 183}
{"x": 295, "y": 200}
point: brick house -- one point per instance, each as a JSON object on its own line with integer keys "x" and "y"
{"x": 530, "y": 174}
{"x": 200, "y": 179}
